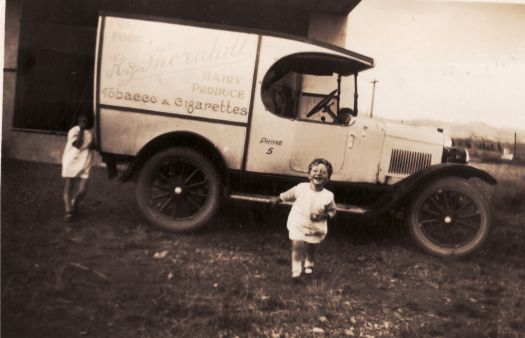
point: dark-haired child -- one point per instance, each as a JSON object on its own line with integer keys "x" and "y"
{"x": 76, "y": 164}
{"x": 307, "y": 224}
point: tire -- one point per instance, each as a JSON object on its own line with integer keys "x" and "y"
{"x": 449, "y": 218}
{"x": 178, "y": 189}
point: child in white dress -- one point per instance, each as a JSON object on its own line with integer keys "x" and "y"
{"x": 76, "y": 164}
{"x": 307, "y": 222}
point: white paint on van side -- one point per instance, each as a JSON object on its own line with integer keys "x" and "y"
{"x": 173, "y": 68}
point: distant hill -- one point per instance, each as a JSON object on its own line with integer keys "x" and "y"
{"x": 472, "y": 129}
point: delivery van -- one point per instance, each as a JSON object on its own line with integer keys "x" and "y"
{"x": 202, "y": 113}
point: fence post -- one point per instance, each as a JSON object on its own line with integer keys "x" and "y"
{"x": 514, "y": 156}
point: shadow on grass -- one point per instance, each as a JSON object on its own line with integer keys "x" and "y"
{"x": 263, "y": 218}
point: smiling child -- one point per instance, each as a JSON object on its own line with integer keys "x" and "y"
{"x": 307, "y": 224}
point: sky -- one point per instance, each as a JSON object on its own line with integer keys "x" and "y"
{"x": 455, "y": 61}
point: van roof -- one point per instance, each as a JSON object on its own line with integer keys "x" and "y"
{"x": 364, "y": 61}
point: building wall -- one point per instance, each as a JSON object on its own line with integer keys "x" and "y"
{"x": 329, "y": 28}
{"x": 43, "y": 146}
{"x": 18, "y": 143}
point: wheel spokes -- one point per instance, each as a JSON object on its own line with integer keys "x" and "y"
{"x": 434, "y": 199}
{"x": 446, "y": 200}
{"x": 180, "y": 172}
{"x": 154, "y": 198}
{"x": 449, "y": 218}
{"x": 463, "y": 207}
{"x": 179, "y": 190}
{"x": 196, "y": 193}
{"x": 437, "y": 228}
{"x": 432, "y": 220}
{"x": 165, "y": 204}
{"x": 467, "y": 225}
{"x": 431, "y": 211}
{"x": 163, "y": 176}
{"x": 192, "y": 202}
{"x": 454, "y": 235}
{"x": 198, "y": 184}
{"x": 162, "y": 187}
{"x": 475, "y": 214}
{"x": 190, "y": 176}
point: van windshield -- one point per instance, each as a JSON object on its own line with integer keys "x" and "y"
{"x": 309, "y": 86}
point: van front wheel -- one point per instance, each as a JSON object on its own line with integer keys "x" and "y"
{"x": 449, "y": 218}
{"x": 178, "y": 189}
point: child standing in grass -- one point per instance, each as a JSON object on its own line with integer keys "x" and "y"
{"x": 76, "y": 164}
{"x": 307, "y": 224}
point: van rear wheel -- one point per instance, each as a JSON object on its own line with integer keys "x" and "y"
{"x": 178, "y": 189}
{"x": 449, "y": 218}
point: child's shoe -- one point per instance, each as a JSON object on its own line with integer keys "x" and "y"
{"x": 68, "y": 216}
{"x": 308, "y": 268}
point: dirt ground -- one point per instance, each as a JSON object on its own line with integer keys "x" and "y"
{"x": 109, "y": 274}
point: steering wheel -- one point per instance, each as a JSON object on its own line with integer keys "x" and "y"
{"x": 322, "y": 103}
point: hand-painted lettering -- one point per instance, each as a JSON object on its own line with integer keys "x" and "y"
{"x": 196, "y": 105}
{"x": 190, "y": 106}
{"x": 166, "y": 61}
{"x": 126, "y": 37}
{"x": 115, "y": 93}
{"x": 217, "y": 91}
{"x": 264, "y": 140}
{"x": 226, "y": 79}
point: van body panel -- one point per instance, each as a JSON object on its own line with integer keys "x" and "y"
{"x": 149, "y": 70}
{"x": 178, "y": 69}
{"x": 126, "y": 133}
{"x": 316, "y": 140}
{"x": 363, "y": 151}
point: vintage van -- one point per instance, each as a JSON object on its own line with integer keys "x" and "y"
{"x": 202, "y": 113}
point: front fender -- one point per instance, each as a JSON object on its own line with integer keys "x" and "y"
{"x": 445, "y": 170}
{"x": 404, "y": 188}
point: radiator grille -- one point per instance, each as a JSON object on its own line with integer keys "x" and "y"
{"x": 408, "y": 162}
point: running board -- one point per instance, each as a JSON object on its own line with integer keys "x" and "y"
{"x": 266, "y": 199}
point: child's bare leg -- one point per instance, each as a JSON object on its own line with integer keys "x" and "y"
{"x": 310, "y": 256}
{"x": 81, "y": 192}
{"x": 68, "y": 192}
{"x": 298, "y": 248}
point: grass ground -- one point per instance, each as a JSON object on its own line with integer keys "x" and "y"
{"x": 509, "y": 193}
{"x": 111, "y": 275}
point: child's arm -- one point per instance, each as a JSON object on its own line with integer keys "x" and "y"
{"x": 330, "y": 209}
{"x": 328, "y": 213}
{"x": 274, "y": 200}
{"x": 285, "y": 196}
{"x": 80, "y": 139}
{"x": 288, "y": 195}
{"x": 92, "y": 145}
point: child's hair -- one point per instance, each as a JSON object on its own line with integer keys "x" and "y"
{"x": 86, "y": 117}
{"x": 321, "y": 161}
{"x": 81, "y": 116}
